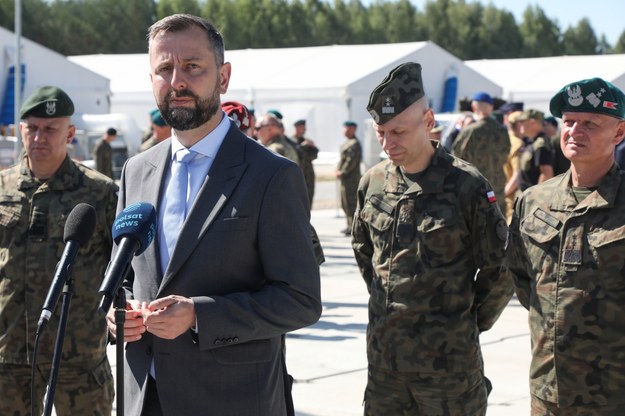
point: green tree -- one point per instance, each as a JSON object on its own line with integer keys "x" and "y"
{"x": 35, "y": 22}
{"x": 169, "y": 7}
{"x": 499, "y": 35}
{"x": 541, "y": 35}
{"x": 7, "y": 15}
{"x": 580, "y": 40}
{"x": 466, "y": 22}
{"x": 358, "y": 23}
{"x": 466, "y": 28}
{"x": 620, "y": 44}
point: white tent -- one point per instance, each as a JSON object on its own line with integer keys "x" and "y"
{"x": 88, "y": 89}
{"x": 535, "y": 80}
{"x": 325, "y": 85}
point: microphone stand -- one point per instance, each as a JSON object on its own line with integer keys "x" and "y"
{"x": 120, "y": 318}
{"x": 68, "y": 291}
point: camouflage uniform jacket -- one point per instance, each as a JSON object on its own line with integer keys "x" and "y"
{"x": 307, "y": 153}
{"x": 486, "y": 145}
{"x": 147, "y": 144}
{"x": 568, "y": 263}
{"x": 281, "y": 146}
{"x": 349, "y": 163}
{"x": 103, "y": 157}
{"x": 534, "y": 154}
{"x": 32, "y": 224}
{"x": 432, "y": 256}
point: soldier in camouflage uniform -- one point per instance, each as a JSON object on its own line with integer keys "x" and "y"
{"x": 103, "y": 153}
{"x": 269, "y": 131}
{"x": 348, "y": 172}
{"x": 36, "y": 197}
{"x": 537, "y": 156}
{"x": 486, "y": 145}
{"x": 566, "y": 254}
{"x": 307, "y": 153}
{"x": 429, "y": 241}
{"x": 160, "y": 131}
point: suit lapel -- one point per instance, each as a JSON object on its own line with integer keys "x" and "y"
{"x": 153, "y": 174}
{"x": 221, "y": 181}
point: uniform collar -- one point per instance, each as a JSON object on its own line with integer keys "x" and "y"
{"x": 66, "y": 177}
{"x": 432, "y": 180}
{"x": 602, "y": 197}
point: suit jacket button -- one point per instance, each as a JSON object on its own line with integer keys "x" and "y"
{"x": 236, "y": 339}
{"x": 218, "y": 342}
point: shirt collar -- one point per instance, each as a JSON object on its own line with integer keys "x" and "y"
{"x": 209, "y": 144}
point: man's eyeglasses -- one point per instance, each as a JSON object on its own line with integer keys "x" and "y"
{"x": 260, "y": 126}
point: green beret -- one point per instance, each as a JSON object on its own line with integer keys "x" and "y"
{"x": 158, "y": 120}
{"x": 276, "y": 113}
{"x": 349, "y": 123}
{"x": 589, "y": 96}
{"x": 401, "y": 87}
{"x": 47, "y": 102}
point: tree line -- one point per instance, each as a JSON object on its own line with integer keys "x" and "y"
{"x": 467, "y": 30}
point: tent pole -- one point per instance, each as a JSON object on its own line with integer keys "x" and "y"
{"x": 18, "y": 73}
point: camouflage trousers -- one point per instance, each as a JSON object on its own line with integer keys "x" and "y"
{"x": 390, "y": 393}
{"x": 544, "y": 408}
{"x": 79, "y": 391}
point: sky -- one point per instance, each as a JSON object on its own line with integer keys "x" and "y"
{"x": 607, "y": 17}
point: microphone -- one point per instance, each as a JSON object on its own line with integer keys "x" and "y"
{"x": 79, "y": 228}
{"x": 133, "y": 231}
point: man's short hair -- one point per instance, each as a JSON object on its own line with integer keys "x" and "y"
{"x": 181, "y": 22}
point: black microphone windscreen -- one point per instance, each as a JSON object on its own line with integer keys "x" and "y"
{"x": 80, "y": 224}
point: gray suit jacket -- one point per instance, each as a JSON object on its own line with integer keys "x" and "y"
{"x": 245, "y": 257}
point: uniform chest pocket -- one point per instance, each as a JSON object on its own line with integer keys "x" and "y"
{"x": 440, "y": 237}
{"x": 377, "y": 213}
{"x": 607, "y": 248}
{"x": 10, "y": 210}
{"x": 540, "y": 234}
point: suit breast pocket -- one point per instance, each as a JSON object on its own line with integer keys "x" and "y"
{"x": 231, "y": 224}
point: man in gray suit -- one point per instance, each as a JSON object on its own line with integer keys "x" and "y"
{"x": 207, "y": 312}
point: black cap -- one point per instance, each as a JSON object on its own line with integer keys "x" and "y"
{"x": 401, "y": 87}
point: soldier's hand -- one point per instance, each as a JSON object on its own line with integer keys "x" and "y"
{"x": 133, "y": 324}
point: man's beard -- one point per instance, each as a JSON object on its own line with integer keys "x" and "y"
{"x": 183, "y": 118}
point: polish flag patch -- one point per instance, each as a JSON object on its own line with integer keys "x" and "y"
{"x": 611, "y": 105}
{"x": 491, "y": 196}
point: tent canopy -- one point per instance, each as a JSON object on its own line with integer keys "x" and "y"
{"x": 325, "y": 85}
{"x": 535, "y": 80}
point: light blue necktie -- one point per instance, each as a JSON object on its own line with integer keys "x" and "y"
{"x": 176, "y": 204}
